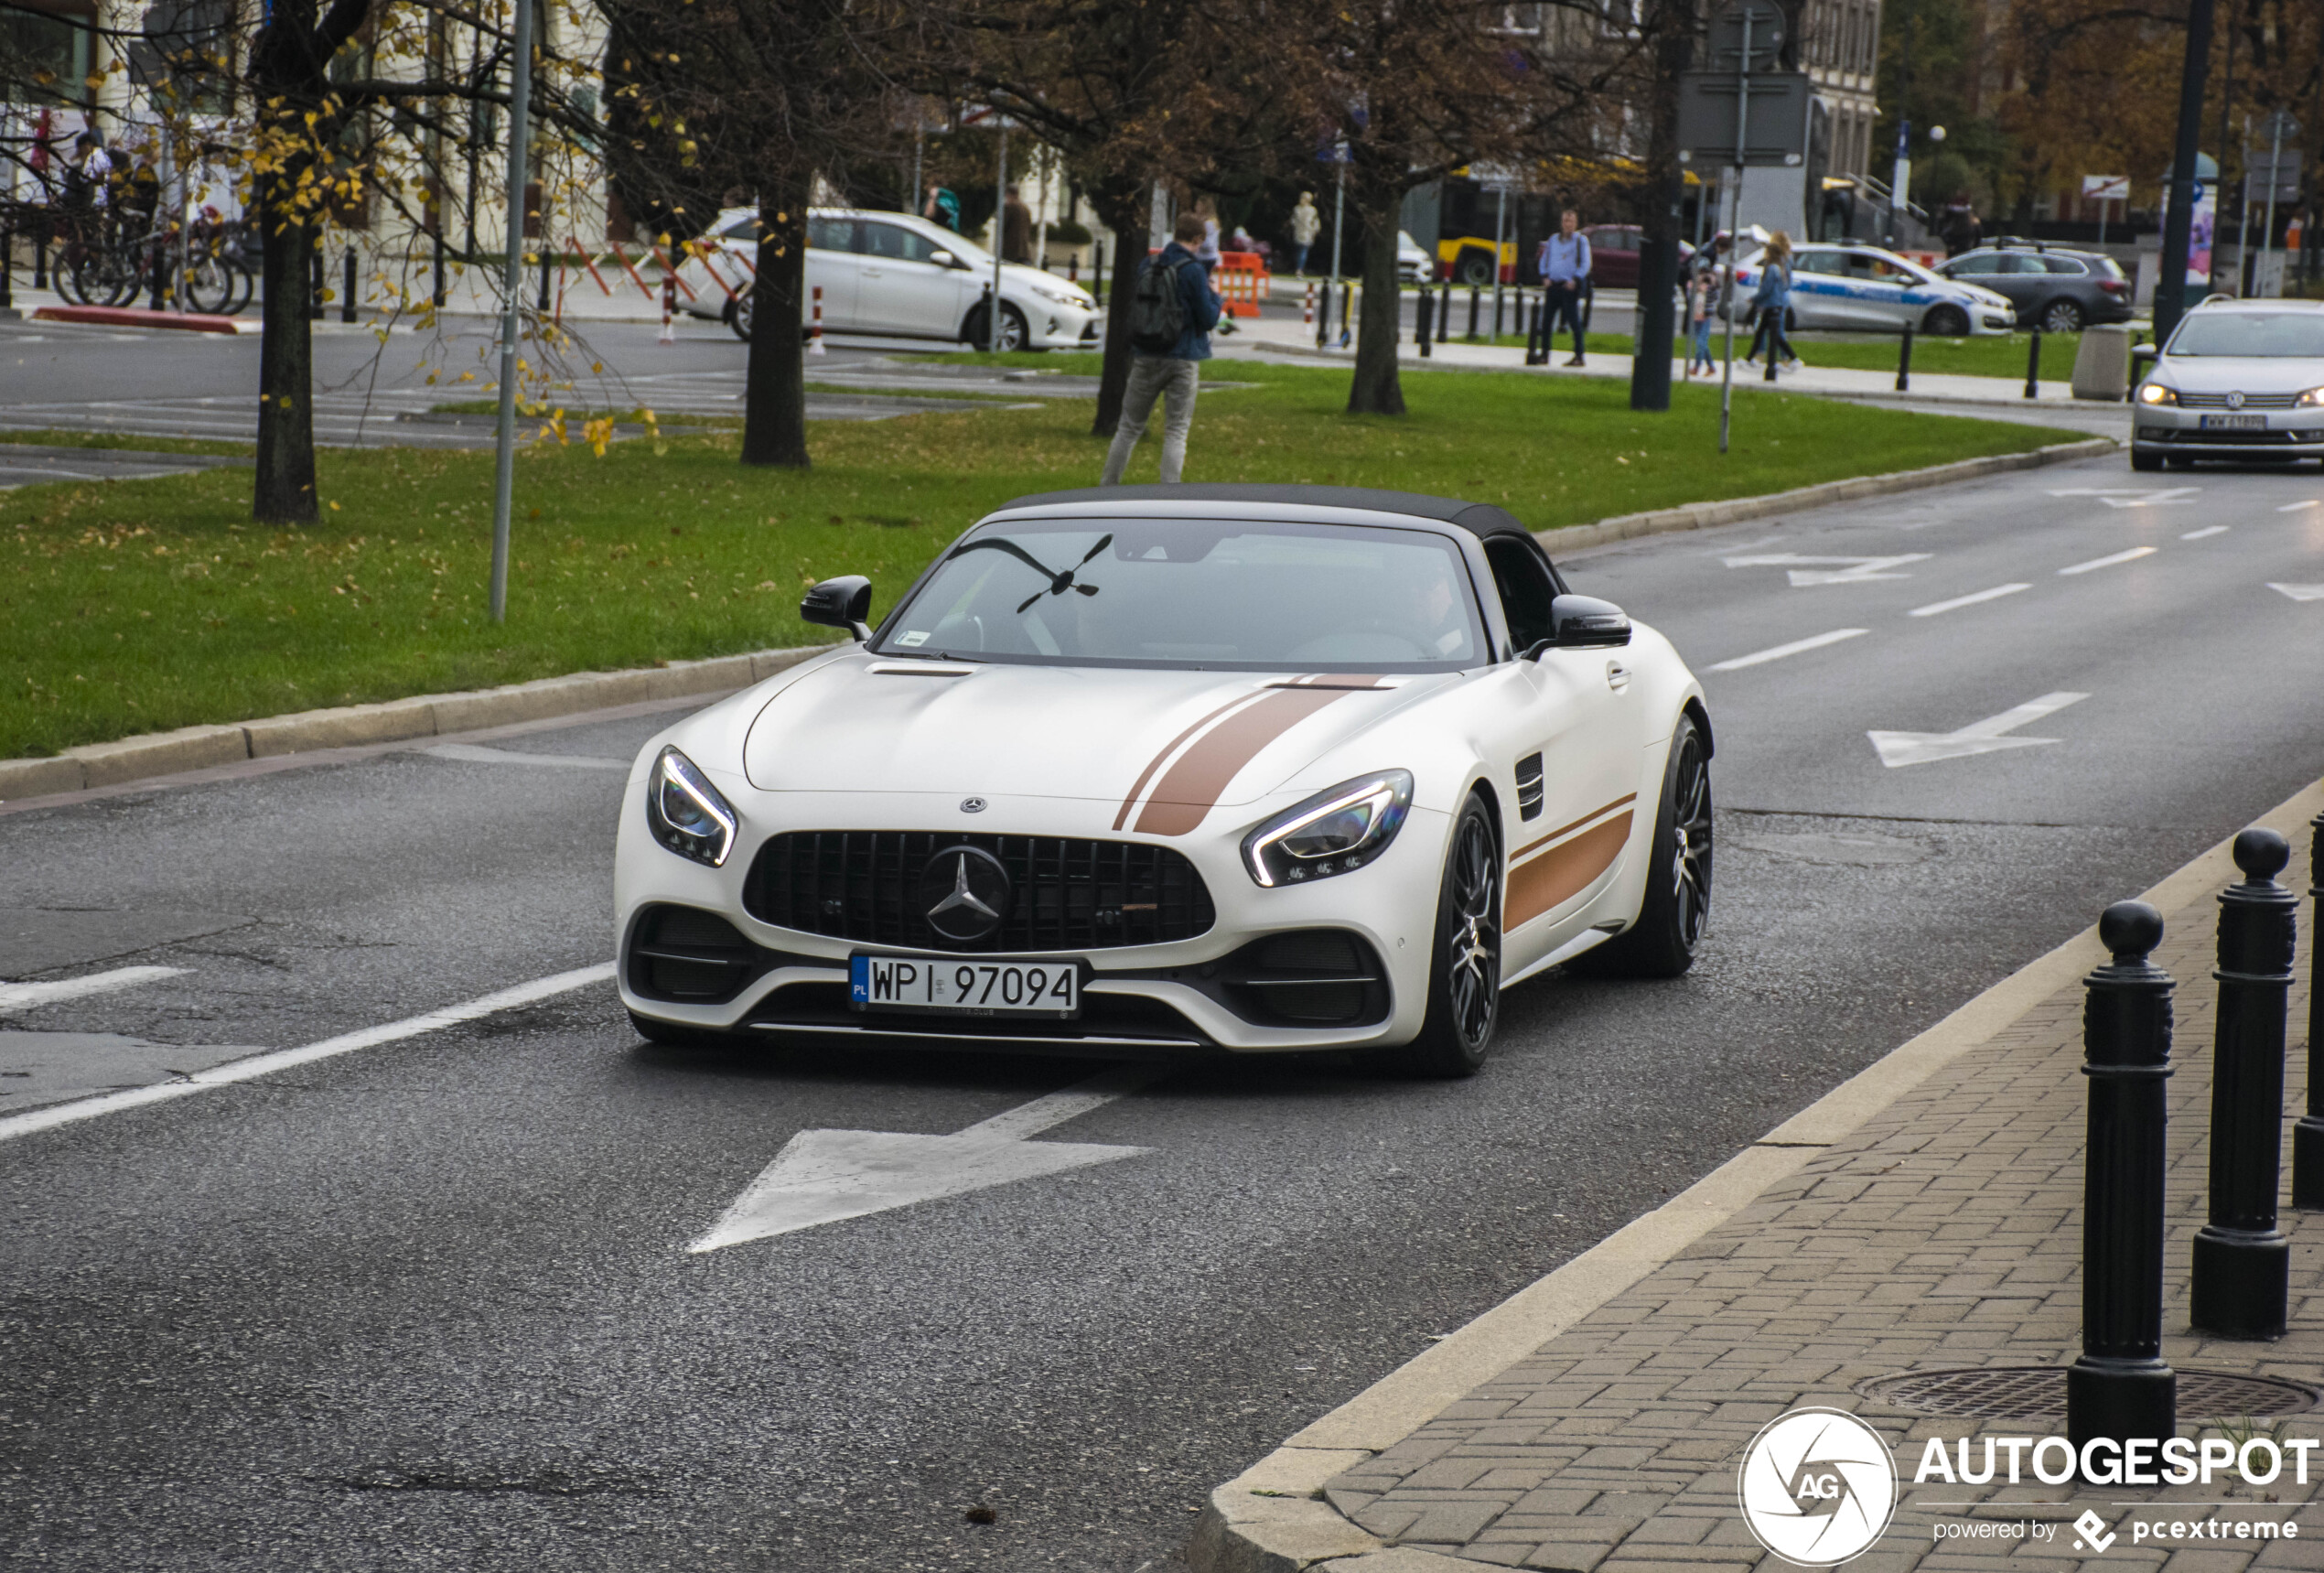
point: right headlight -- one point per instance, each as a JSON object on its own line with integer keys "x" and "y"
{"x": 1334, "y": 832}
{"x": 2156, "y": 394}
{"x": 2312, "y": 398}
{"x": 687, "y": 813}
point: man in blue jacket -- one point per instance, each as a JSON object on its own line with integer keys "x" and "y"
{"x": 1172, "y": 377}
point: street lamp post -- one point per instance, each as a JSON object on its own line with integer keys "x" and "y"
{"x": 2170, "y": 289}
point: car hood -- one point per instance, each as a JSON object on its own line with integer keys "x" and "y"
{"x": 2246, "y": 373}
{"x": 1167, "y": 746}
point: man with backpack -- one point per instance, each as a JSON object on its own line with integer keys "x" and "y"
{"x": 1172, "y": 311}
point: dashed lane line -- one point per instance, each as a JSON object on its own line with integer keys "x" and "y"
{"x": 2205, "y": 534}
{"x": 1796, "y": 647}
{"x": 15, "y": 996}
{"x": 259, "y": 1065}
{"x": 1995, "y": 594}
{"x": 2296, "y": 507}
{"x": 2107, "y": 562}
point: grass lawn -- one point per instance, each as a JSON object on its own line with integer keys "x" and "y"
{"x": 1998, "y": 356}
{"x": 137, "y": 606}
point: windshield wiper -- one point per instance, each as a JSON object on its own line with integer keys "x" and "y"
{"x": 1059, "y": 583}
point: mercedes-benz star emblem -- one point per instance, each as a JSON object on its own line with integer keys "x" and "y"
{"x": 2236, "y": 400}
{"x": 972, "y": 805}
{"x": 966, "y": 891}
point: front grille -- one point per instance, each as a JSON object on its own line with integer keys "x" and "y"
{"x": 684, "y": 954}
{"x": 2251, "y": 401}
{"x": 1067, "y": 894}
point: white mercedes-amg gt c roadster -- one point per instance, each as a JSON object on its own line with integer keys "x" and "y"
{"x": 1178, "y": 770}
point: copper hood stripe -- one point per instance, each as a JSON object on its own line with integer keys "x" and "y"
{"x": 1168, "y": 749}
{"x": 1190, "y": 788}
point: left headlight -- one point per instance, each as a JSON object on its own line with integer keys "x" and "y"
{"x": 2312, "y": 398}
{"x": 685, "y": 813}
{"x": 2156, "y": 394}
{"x": 1334, "y": 832}
{"x": 1064, "y": 297}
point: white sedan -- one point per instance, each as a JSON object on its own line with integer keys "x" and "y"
{"x": 1178, "y": 770}
{"x": 2239, "y": 380}
{"x": 1864, "y": 287}
{"x": 892, "y": 274}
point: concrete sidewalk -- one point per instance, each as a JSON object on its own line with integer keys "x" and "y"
{"x": 1923, "y": 1219}
{"x": 1272, "y": 337}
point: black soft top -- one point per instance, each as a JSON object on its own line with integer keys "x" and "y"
{"x": 1479, "y": 519}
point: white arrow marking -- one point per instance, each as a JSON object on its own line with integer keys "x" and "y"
{"x": 1900, "y": 749}
{"x": 821, "y": 1176}
{"x": 1852, "y": 570}
{"x": 2296, "y": 507}
{"x": 2123, "y": 497}
{"x": 1794, "y": 648}
{"x": 2206, "y": 533}
{"x": 25, "y": 996}
{"x": 2107, "y": 562}
{"x": 1995, "y": 594}
{"x": 2300, "y": 592}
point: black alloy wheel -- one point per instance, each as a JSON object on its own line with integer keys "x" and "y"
{"x": 1464, "y": 970}
{"x": 1677, "y": 904}
{"x": 739, "y": 313}
{"x": 1947, "y": 322}
{"x": 2062, "y": 317}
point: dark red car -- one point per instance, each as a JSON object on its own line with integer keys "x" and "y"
{"x": 1613, "y": 256}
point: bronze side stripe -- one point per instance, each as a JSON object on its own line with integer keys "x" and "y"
{"x": 1562, "y": 829}
{"x": 1189, "y": 789}
{"x": 1154, "y": 764}
{"x": 1563, "y": 872}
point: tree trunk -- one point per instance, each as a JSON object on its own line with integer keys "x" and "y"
{"x": 1666, "y": 191}
{"x": 1127, "y": 209}
{"x": 285, "y": 489}
{"x": 1376, "y": 390}
{"x": 774, "y": 420}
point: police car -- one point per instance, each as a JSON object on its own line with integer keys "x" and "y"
{"x": 1868, "y": 289}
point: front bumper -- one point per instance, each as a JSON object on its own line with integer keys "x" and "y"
{"x": 1193, "y": 996}
{"x": 2164, "y": 428}
{"x": 1056, "y": 326}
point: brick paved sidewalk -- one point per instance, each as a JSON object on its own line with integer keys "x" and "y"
{"x": 1944, "y": 1234}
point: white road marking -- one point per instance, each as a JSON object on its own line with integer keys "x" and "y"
{"x": 2206, "y": 533}
{"x": 1781, "y": 650}
{"x": 2296, "y": 507}
{"x": 1995, "y": 594}
{"x": 1852, "y": 570}
{"x": 2131, "y": 496}
{"x": 2107, "y": 562}
{"x": 25, "y": 996}
{"x": 266, "y": 1064}
{"x": 2299, "y": 592}
{"x": 823, "y": 1176}
{"x": 1898, "y": 750}
{"x": 475, "y": 753}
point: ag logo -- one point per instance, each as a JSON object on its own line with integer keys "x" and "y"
{"x": 1817, "y": 1486}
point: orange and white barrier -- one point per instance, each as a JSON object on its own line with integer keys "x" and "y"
{"x": 669, "y": 334}
{"x": 815, "y": 327}
{"x": 1241, "y": 280}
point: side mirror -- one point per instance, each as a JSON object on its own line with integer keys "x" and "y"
{"x": 845, "y": 603}
{"x": 1583, "y": 622}
{"x": 943, "y": 258}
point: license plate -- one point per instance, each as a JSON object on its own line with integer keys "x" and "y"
{"x": 2234, "y": 423}
{"x": 948, "y": 986}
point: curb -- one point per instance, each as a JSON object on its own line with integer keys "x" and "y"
{"x": 1272, "y": 1518}
{"x": 423, "y": 716}
{"x": 1734, "y": 510}
{"x": 131, "y": 317}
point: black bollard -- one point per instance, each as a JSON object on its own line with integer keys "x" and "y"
{"x": 8, "y": 263}
{"x": 156, "y": 272}
{"x": 347, "y": 295}
{"x": 1323, "y": 317}
{"x": 2033, "y": 366}
{"x": 40, "y": 260}
{"x": 2242, "y": 1260}
{"x": 1497, "y": 308}
{"x": 315, "y": 284}
{"x": 2122, "y": 1387}
{"x": 1347, "y": 312}
{"x": 1904, "y": 363}
{"x": 1425, "y": 310}
{"x": 1535, "y": 354}
{"x": 1474, "y": 296}
{"x": 2307, "y": 1136}
{"x": 1444, "y": 314}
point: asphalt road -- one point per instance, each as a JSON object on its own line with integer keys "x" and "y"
{"x": 429, "y": 1304}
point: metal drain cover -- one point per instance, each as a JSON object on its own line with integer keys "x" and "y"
{"x": 2038, "y": 1393}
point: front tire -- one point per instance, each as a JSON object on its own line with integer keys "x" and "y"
{"x": 1677, "y": 905}
{"x": 739, "y": 313}
{"x": 1464, "y": 968}
{"x": 1947, "y": 322}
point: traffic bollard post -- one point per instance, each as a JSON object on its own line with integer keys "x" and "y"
{"x": 2307, "y": 1136}
{"x": 1323, "y": 319}
{"x": 2242, "y": 1261}
{"x": 2121, "y": 1387}
{"x": 1497, "y": 305}
{"x": 40, "y": 260}
{"x": 8, "y": 263}
{"x": 669, "y": 334}
{"x": 1347, "y": 313}
{"x": 1474, "y": 298}
{"x": 347, "y": 295}
{"x": 816, "y": 326}
{"x": 315, "y": 312}
{"x": 1426, "y": 314}
{"x": 1308, "y": 309}
{"x": 1904, "y": 363}
{"x": 1535, "y": 355}
{"x": 2033, "y": 366}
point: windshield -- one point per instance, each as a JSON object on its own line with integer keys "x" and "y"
{"x": 1198, "y": 593}
{"x": 2283, "y": 335}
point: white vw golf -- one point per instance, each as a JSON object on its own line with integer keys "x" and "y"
{"x": 1175, "y": 771}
